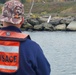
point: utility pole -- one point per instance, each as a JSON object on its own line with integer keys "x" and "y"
{"x": 31, "y": 8}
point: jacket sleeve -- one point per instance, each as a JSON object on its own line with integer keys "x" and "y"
{"x": 43, "y": 66}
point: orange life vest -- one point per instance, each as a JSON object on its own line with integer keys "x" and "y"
{"x": 9, "y": 50}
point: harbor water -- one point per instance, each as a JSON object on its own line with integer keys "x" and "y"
{"x": 59, "y": 49}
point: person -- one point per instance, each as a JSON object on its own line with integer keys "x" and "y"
{"x": 18, "y": 53}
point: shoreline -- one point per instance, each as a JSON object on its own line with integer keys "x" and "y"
{"x": 55, "y": 24}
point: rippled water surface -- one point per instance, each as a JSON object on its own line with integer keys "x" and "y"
{"x": 60, "y": 50}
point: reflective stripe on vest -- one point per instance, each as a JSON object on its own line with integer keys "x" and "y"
{"x": 9, "y": 56}
{"x": 9, "y": 51}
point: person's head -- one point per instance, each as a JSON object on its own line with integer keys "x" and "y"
{"x": 12, "y": 13}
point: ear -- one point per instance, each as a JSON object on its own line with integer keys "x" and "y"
{"x": 22, "y": 21}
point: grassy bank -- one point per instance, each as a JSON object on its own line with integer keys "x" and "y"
{"x": 60, "y": 8}
{"x": 54, "y": 8}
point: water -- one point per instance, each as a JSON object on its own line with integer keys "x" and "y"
{"x": 60, "y": 50}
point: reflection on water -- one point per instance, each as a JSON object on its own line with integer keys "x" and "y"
{"x": 60, "y": 50}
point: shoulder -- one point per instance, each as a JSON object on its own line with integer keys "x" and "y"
{"x": 30, "y": 48}
{"x": 30, "y": 44}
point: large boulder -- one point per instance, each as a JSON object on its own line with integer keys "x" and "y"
{"x": 44, "y": 26}
{"x": 60, "y": 27}
{"x": 67, "y": 20}
{"x": 38, "y": 27}
{"x": 33, "y": 21}
{"x": 27, "y": 26}
{"x": 55, "y": 22}
{"x": 42, "y": 19}
{"x": 72, "y": 26}
{"x": 47, "y": 26}
{"x": 62, "y": 21}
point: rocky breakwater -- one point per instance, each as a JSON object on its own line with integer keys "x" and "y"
{"x": 54, "y": 24}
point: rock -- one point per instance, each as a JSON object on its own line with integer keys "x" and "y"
{"x": 69, "y": 21}
{"x": 55, "y": 22}
{"x": 44, "y": 26}
{"x": 28, "y": 26}
{"x": 42, "y": 19}
{"x": 62, "y": 21}
{"x": 60, "y": 27}
{"x": 0, "y": 22}
{"x": 33, "y": 22}
{"x": 38, "y": 27}
{"x": 1, "y": 26}
{"x": 47, "y": 26}
{"x": 72, "y": 26}
{"x": 75, "y": 18}
{"x": 22, "y": 29}
{"x": 38, "y": 19}
{"x": 45, "y": 16}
